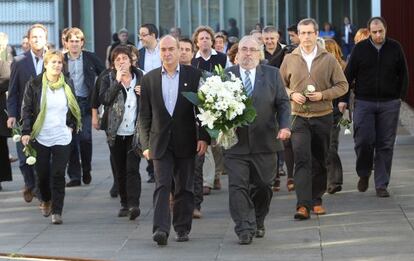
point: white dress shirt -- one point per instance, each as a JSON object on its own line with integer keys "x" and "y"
{"x": 38, "y": 63}
{"x": 152, "y": 59}
{"x": 252, "y": 76}
{"x": 309, "y": 57}
{"x": 127, "y": 126}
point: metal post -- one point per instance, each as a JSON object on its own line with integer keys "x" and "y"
{"x": 330, "y": 11}
{"x": 57, "y": 36}
{"x": 69, "y": 13}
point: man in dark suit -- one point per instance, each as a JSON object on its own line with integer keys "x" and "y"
{"x": 82, "y": 67}
{"x": 251, "y": 163}
{"x": 23, "y": 68}
{"x": 149, "y": 59}
{"x": 168, "y": 135}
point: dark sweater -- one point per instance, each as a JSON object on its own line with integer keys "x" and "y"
{"x": 214, "y": 60}
{"x": 380, "y": 75}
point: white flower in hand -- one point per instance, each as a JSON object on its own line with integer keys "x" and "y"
{"x": 310, "y": 88}
{"x": 31, "y": 160}
{"x": 347, "y": 132}
{"x": 16, "y": 138}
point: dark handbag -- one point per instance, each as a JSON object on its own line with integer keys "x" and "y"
{"x": 136, "y": 145}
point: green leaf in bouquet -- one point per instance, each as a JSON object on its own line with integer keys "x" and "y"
{"x": 249, "y": 114}
{"x": 213, "y": 133}
{"x": 192, "y": 97}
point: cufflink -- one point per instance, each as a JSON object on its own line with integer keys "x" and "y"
{"x": 185, "y": 84}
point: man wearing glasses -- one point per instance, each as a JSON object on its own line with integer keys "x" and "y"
{"x": 149, "y": 59}
{"x": 313, "y": 78}
{"x": 250, "y": 163}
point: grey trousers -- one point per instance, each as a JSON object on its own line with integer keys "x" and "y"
{"x": 250, "y": 188}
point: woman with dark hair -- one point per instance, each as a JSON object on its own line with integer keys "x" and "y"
{"x": 117, "y": 93}
{"x": 50, "y": 113}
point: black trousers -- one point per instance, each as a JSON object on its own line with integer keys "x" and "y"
{"x": 198, "y": 181}
{"x": 50, "y": 168}
{"x": 310, "y": 141}
{"x": 81, "y": 146}
{"x": 126, "y": 164}
{"x": 180, "y": 170}
{"x": 250, "y": 188}
{"x": 5, "y": 173}
{"x": 334, "y": 164}
{"x": 375, "y": 130}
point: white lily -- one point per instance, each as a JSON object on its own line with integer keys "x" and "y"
{"x": 310, "y": 88}
{"x": 17, "y": 138}
{"x": 347, "y": 132}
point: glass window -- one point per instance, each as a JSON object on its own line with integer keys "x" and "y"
{"x": 297, "y": 10}
{"x": 166, "y": 16}
{"x": 251, "y": 15}
{"x": 214, "y": 14}
{"x": 232, "y": 9}
{"x": 185, "y": 16}
{"x": 361, "y": 12}
{"x": 147, "y": 11}
{"x": 195, "y": 18}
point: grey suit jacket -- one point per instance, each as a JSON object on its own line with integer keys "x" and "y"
{"x": 273, "y": 111}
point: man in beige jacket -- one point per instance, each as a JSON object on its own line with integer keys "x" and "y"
{"x": 313, "y": 78}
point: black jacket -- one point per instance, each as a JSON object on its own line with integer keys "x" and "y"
{"x": 92, "y": 67}
{"x": 379, "y": 75}
{"x": 157, "y": 128}
{"x": 31, "y": 104}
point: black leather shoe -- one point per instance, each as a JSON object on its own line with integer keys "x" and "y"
{"x": 134, "y": 213}
{"x": 123, "y": 212}
{"x": 114, "y": 191}
{"x": 182, "y": 236}
{"x": 363, "y": 184}
{"x": 87, "y": 178}
{"x": 245, "y": 238}
{"x": 382, "y": 193}
{"x": 73, "y": 183}
{"x": 334, "y": 188}
{"x": 260, "y": 232}
{"x": 160, "y": 237}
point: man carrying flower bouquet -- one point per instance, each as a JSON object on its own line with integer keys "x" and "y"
{"x": 251, "y": 162}
{"x": 313, "y": 78}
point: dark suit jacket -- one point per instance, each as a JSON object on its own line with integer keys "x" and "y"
{"x": 92, "y": 67}
{"x": 22, "y": 69}
{"x": 4, "y": 85}
{"x": 272, "y": 104}
{"x": 157, "y": 128}
{"x": 141, "y": 58}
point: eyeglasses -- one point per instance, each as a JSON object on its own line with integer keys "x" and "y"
{"x": 306, "y": 33}
{"x": 245, "y": 50}
{"x": 143, "y": 35}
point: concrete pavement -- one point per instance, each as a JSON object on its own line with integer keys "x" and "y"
{"x": 358, "y": 226}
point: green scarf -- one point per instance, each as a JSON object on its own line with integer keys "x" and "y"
{"x": 73, "y": 104}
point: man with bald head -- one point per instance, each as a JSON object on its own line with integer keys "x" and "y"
{"x": 250, "y": 163}
{"x": 170, "y": 136}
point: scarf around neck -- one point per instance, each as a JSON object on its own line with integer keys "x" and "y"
{"x": 72, "y": 103}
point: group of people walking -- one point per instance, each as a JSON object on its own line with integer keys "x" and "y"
{"x": 299, "y": 97}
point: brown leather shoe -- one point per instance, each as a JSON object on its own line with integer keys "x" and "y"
{"x": 382, "y": 193}
{"x": 27, "y": 195}
{"x": 217, "y": 184}
{"x": 290, "y": 184}
{"x": 206, "y": 191}
{"x": 46, "y": 208}
{"x": 197, "y": 213}
{"x": 319, "y": 210}
{"x": 363, "y": 184}
{"x": 302, "y": 213}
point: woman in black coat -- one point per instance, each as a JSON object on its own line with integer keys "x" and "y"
{"x": 5, "y": 173}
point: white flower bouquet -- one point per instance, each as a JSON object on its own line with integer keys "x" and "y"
{"x": 346, "y": 123}
{"x": 224, "y": 106}
{"x": 28, "y": 150}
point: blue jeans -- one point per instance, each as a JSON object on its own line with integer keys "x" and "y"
{"x": 27, "y": 170}
{"x": 81, "y": 144}
{"x": 375, "y": 129}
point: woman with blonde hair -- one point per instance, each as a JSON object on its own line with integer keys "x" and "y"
{"x": 50, "y": 113}
{"x": 361, "y": 34}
